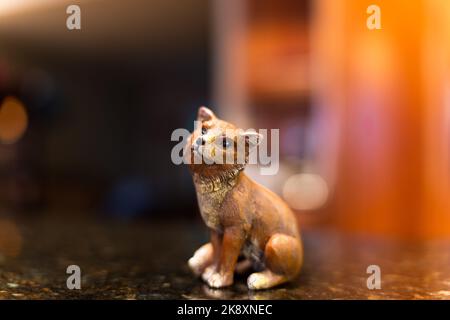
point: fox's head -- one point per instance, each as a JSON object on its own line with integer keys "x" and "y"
{"x": 217, "y": 146}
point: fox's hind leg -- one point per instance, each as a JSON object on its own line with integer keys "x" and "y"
{"x": 242, "y": 267}
{"x": 283, "y": 258}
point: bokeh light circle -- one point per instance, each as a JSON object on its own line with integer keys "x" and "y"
{"x": 305, "y": 191}
{"x": 13, "y": 120}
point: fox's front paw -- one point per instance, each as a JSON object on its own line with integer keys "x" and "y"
{"x": 208, "y": 272}
{"x": 201, "y": 259}
{"x": 196, "y": 266}
{"x": 216, "y": 279}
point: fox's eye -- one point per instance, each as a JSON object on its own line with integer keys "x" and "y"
{"x": 204, "y": 130}
{"x": 226, "y": 143}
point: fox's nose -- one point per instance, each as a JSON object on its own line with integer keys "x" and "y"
{"x": 200, "y": 141}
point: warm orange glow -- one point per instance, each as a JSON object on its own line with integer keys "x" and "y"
{"x": 13, "y": 120}
{"x": 393, "y": 171}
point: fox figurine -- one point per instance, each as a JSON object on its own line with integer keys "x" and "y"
{"x": 245, "y": 219}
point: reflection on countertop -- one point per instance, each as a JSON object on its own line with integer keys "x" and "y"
{"x": 148, "y": 261}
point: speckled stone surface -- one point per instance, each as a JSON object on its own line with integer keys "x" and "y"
{"x": 148, "y": 261}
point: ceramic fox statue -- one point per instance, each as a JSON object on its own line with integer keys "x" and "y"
{"x": 251, "y": 228}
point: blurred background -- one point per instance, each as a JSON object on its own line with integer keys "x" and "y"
{"x": 364, "y": 115}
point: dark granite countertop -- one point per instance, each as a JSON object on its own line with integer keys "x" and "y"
{"x": 148, "y": 261}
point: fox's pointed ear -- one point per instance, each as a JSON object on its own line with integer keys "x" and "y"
{"x": 252, "y": 137}
{"x": 204, "y": 114}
